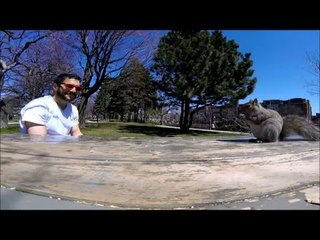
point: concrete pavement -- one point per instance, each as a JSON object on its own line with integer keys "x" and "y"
{"x": 296, "y": 199}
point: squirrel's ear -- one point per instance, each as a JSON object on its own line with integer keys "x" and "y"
{"x": 255, "y": 101}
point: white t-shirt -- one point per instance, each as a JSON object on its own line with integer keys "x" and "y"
{"x": 45, "y": 111}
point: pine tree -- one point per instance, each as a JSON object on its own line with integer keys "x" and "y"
{"x": 199, "y": 69}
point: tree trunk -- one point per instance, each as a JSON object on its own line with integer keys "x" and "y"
{"x": 181, "y": 114}
{"x": 191, "y": 119}
{"x": 3, "y": 115}
{"x": 184, "y": 119}
{"x": 82, "y": 109}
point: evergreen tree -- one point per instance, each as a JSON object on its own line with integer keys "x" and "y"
{"x": 199, "y": 68}
{"x": 129, "y": 95}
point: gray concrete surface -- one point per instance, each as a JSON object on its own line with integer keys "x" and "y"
{"x": 16, "y": 200}
{"x": 289, "y": 200}
{"x": 158, "y": 173}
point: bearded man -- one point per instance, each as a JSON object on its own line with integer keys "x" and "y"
{"x": 54, "y": 115}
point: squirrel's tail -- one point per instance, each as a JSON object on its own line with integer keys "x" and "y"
{"x": 299, "y": 125}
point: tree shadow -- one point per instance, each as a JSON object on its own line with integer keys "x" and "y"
{"x": 160, "y": 131}
{"x": 240, "y": 140}
{"x": 253, "y": 140}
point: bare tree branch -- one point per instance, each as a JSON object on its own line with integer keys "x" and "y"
{"x": 16, "y": 43}
{"x": 313, "y": 85}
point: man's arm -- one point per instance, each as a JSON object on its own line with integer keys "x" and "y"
{"x": 75, "y": 131}
{"x": 35, "y": 129}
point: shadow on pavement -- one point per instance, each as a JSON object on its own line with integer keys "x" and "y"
{"x": 253, "y": 140}
{"x": 235, "y": 140}
{"x": 162, "y": 132}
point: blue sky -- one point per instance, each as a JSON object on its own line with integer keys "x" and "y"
{"x": 280, "y": 62}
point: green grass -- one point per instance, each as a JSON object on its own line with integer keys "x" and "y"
{"x": 119, "y": 129}
{"x": 10, "y": 130}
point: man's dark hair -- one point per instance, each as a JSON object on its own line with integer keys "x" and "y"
{"x": 58, "y": 80}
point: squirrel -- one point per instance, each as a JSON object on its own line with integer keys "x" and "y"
{"x": 268, "y": 125}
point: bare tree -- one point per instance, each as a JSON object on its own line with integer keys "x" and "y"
{"x": 45, "y": 60}
{"x": 313, "y": 85}
{"x": 13, "y": 44}
{"x": 104, "y": 54}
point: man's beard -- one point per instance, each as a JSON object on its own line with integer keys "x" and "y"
{"x": 61, "y": 93}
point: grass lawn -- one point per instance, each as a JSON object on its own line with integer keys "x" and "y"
{"x": 120, "y": 129}
{"x": 14, "y": 128}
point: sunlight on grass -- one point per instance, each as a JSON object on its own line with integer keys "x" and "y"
{"x": 112, "y": 129}
{"x": 120, "y": 129}
{"x": 10, "y": 130}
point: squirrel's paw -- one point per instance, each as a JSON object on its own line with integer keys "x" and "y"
{"x": 242, "y": 116}
{"x": 255, "y": 140}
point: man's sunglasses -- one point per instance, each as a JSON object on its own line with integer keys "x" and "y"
{"x": 71, "y": 86}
